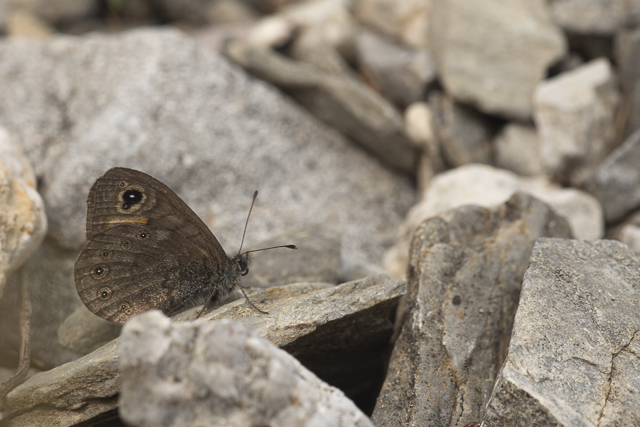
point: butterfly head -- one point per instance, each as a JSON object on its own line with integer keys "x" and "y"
{"x": 241, "y": 263}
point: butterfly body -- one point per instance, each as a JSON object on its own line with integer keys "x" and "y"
{"x": 147, "y": 249}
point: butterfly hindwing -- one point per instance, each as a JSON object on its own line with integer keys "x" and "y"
{"x": 126, "y": 269}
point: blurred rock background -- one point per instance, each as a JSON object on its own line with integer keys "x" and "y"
{"x": 362, "y": 116}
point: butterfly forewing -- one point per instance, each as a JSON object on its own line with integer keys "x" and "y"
{"x": 127, "y": 196}
{"x": 129, "y": 268}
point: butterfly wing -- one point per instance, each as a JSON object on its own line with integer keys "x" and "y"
{"x": 127, "y": 196}
{"x": 129, "y": 268}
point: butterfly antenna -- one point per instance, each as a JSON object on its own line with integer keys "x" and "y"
{"x": 247, "y": 222}
{"x": 272, "y": 247}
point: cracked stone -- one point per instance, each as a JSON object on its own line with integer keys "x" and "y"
{"x": 574, "y": 353}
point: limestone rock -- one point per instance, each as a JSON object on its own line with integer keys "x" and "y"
{"x": 57, "y": 12}
{"x": 492, "y": 54}
{"x": 222, "y": 136}
{"x": 574, "y": 114}
{"x": 574, "y": 352}
{"x": 219, "y": 374}
{"x": 454, "y": 324}
{"x": 627, "y": 56}
{"x": 595, "y": 17}
{"x": 406, "y": 21}
{"x": 401, "y": 75}
{"x": 486, "y": 186}
{"x": 517, "y": 148}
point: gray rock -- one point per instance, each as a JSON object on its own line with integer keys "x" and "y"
{"x": 517, "y": 149}
{"x": 627, "y": 56}
{"x": 401, "y": 75}
{"x": 220, "y": 374}
{"x": 454, "y": 323}
{"x": 487, "y": 186}
{"x": 629, "y": 234}
{"x": 573, "y": 357}
{"x": 595, "y": 17}
{"x": 49, "y": 273}
{"x": 83, "y": 332}
{"x": 616, "y": 182}
{"x": 463, "y": 135}
{"x": 348, "y": 324}
{"x": 3, "y": 17}
{"x": 344, "y": 103}
{"x": 406, "y": 21}
{"x": 574, "y": 115}
{"x": 318, "y": 258}
{"x": 197, "y": 123}
{"x": 492, "y": 54}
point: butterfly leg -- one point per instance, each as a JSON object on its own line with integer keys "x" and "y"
{"x": 209, "y": 302}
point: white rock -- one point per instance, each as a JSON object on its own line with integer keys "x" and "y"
{"x": 602, "y": 17}
{"x": 517, "y": 149}
{"x": 23, "y": 223}
{"x": 220, "y": 374}
{"x": 487, "y": 186}
{"x": 630, "y": 236}
{"x": 574, "y": 113}
{"x": 491, "y": 54}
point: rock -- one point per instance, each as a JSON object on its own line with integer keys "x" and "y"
{"x": 419, "y": 122}
{"x": 343, "y": 103}
{"x": 627, "y": 56}
{"x": 571, "y": 146}
{"x": 630, "y": 235}
{"x": 616, "y": 181}
{"x": 339, "y": 332}
{"x": 223, "y": 136}
{"x": 57, "y": 12}
{"x": 601, "y": 17}
{"x": 406, "y": 21}
{"x": 318, "y": 258}
{"x": 84, "y": 332}
{"x": 222, "y": 12}
{"x": 517, "y": 148}
{"x": 220, "y": 374}
{"x": 486, "y": 186}
{"x": 22, "y": 23}
{"x": 3, "y": 17}
{"x": 462, "y": 133}
{"x": 23, "y": 223}
{"x": 401, "y": 75}
{"x": 492, "y": 54}
{"x": 573, "y": 356}
{"x": 49, "y": 274}
{"x": 454, "y": 323}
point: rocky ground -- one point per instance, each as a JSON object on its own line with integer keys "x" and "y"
{"x": 449, "y": 170}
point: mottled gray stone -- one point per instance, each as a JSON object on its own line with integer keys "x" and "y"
{"x": 627, "y": 56}
{"x": 344, "y": 103}
{"x": 454, "y": 324}
{"x": 401, "y": 75}
{"x": 574, "y": 115}
{"x": 595, "y": 17}
{"x": 517, "y": 149}
{"x": 463, "y": 135}
{"x": 220, "y": 374}
{"x": 574, "y": 355}
{"x": 202, "y": 126}
{"x": 83, "y": 332}
{"x": 339, "y": 332}
{"x": 492, "y": 54}
{"x": 616, "y": 182}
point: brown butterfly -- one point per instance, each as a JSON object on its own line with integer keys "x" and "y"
{"x": 147, "y": 249}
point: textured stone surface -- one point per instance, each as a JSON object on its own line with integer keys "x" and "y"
{"x": 401, "y": 75}
{"x": 463, "y": 285}
{"x": 517, "y": 148}
{"x": 574, "y": 354}
{"x": 487, "y": 186}
{"x": 627, "y": 56}
{"x": 616, "y": 182}
{"x": 343, "y": 329}
{"x": 601, "y": 17}
{"x": 23, "y": 223}
{"x": 220, "y": 374}
{"x": 342, "y": 102}
{"x": 406, "y": 21}
{"x": 197, "y": 123}
{"x": 574, "y": 115}
{"x": 491, "y": 54}
{"x": 463, "y": 135}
